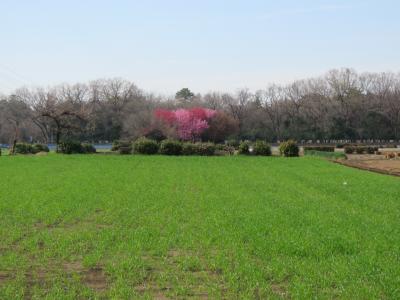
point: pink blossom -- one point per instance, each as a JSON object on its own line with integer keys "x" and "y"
{"x": 189, "y": 123}
{"x": 165, "y": 115}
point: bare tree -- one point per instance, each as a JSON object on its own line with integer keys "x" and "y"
{"x": 62, "y": 108}
{"x": 271, "y": 99}
{"x": 16, "y": 112}
{"x": 340, "y": 104}
{"x": 237, "y": 105}
{"x": 214, "y": 101}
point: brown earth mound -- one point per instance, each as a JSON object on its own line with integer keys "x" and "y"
{"x": 374, "y": 163}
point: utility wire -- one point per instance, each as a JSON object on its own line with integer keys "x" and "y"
{"x": 25, "y": 80}
{"x": 5, "y": 86}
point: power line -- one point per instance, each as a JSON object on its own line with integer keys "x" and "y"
{"x": 5, "y": 86}
{"x": 11, "y": 79}
{"x": 16, "y": 75}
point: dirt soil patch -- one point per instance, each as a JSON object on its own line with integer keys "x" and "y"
{"x": 374, "y": 163}
{"x": 188, "y": 268}
{"x": 94, "y": 278}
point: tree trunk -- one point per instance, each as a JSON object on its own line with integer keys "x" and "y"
{"x": 43, "y": 130}
{"x": 58, "y": 136}
{"x": 14, "y": 142}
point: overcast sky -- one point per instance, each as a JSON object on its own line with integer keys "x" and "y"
{"x": 164, "y": 45}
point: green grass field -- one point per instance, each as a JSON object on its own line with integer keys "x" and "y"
{"x": 128, "y": 227}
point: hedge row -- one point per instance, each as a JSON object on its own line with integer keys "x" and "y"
{"x": 72, "y": 147}
{"x": 260, "y": 148}
{"x": 325, "y": 154}
{"x": 148, "y": 146}
{"x": 287, "y": 149}
{"x": 23, "y": 148}
{"x": 360, "y": 149}
{"x": 66, "y": 147}
{"x": 172, "y": 147}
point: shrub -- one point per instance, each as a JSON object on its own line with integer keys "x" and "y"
{"x": 73, "y": 147}
{"x": 155, "y": 134}
{"x": 325, "y": 154}
{"x": 320, "y": 148}
{"x": 23, "y": 148}
{"x": 40, "y": 148}
{"x": 289, "y": 149}
{"x": 145, "y": 146}
{"x": 88, "y": 148}
{"x": 219, "y": 147}
{"x": 349, "y": 149}
{"x": 372, "y": 150}
{"x": 340, "y": 146}
{"x": 224, "y": 150}
{"x": 230, "y": 150}
{"x": 171, "y": 147}
{"x": 233, "y": 143}
{"x": 244, "y": 148}
{"x": 188, "y": 149}
{"x": 70, "y": 147}
{"x": 118, "y": 144}
{"x": 115, "y": 145}
{"x": 360, "y": 150}
{"x": 205, "y": 149}
{"x": 261, "y": 148}
{"x": 125, "y": 149}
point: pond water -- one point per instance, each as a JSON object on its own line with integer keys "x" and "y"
{"x": 53, "y": 146}
{"x": 97, "y": 146}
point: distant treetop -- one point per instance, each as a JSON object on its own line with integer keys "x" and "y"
{"x": 185, "y": 94}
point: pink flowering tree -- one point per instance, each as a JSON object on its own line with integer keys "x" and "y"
{"x": 189, "y": 123}
{"x": 165, "y": 115}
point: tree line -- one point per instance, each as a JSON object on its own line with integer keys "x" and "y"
{"x": 342, "y": 104}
